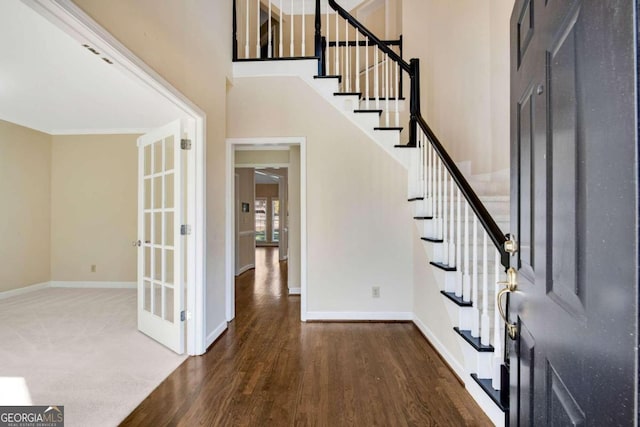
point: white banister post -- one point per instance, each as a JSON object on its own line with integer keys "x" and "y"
{"x": 246, "y": 41}
{"x": 397, "y": 93}
{"x": 366, "y": 73}
{"x": 475, "y": 324}
{"x": 466, "y": 278}
{"x": 292, "y": 49}
{"x": 439, "y": 222}
{"x": 485, "y": 323}
{"x": 458, "y": 260}
{"x": 497, "y": 327}
{"x": 304, "y": 31}
{"x": 258, "y": 30}
{"x": 357, "y": 70}
{"x": 386, "y": 89}
{"x": 269, "y": 50}
{"x": 452, "y": 245}
{"x": 337, "y": 47}
{"x": 376, "y": 78}
{"x": 280, "y": 42}
{"x": 445, "y": 218}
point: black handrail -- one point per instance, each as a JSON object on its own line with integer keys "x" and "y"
{"x": 495, "y": 234}
{"x": 413, "y": 69}
{"x": 383, "y": 47}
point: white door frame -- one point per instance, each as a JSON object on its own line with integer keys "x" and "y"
{"x": 75, "y": 22}
{"x": 260, "y": 144}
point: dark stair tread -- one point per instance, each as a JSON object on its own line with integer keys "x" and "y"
{"x": 329, "y": 77}
{"x": 358, "y": 94}
{"x": 475, "y": 342}
{"x": 415, "y": 199}
{"x": 405, "y": 146}
{"x": 389, "y": 128}
{"x": 485, "y": 384}
{"x": 457, "y": 300}
{"x": 432, "y": 239}
{"x": 379, "y": 112}
{"x": 442, "y": 266}
{"x": 423, "y": 218}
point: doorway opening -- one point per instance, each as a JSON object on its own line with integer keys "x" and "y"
{"x": 266, "y": 211}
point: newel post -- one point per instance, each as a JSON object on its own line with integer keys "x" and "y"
{"x": 414, "y": 103}
{"x": 318, "y": 40}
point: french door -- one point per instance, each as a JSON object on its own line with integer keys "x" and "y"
{"x": 161, "y": 245}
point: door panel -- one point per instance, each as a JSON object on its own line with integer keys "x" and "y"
{"x": 161, "y": 252}
{"x": 574, "y": 209}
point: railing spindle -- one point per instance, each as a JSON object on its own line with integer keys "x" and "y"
{"x": 347, "y": 61}
{"x": 337, "y": 48}
{"x": 397, "y": 92}
{"x": 485, "y": 324}
{"x": 292, "y": 50}
{"x": 439, "y": 221}
{"x": 445, "y": 219}
{"x": 497, "y": 326}
{"x": 475, "y": 325}
{"x": 357, "y": 70}
{"x": 258, "y": 29}
{"x": 386, "y": 88}
{"x": 458, "y": 259}
{"x": 246, "y": 31}
{"x": 280, "y": 42}
{"x": 466, "y": 279}
{"x": 366, "y": 72}
{"x": 452, "y": 246}
{"x": 269, "y": 50}
{"x": 304, "y": 31}
{"x": 376, "y": 78}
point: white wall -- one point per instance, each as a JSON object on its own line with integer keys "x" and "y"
{"x": 357, "y": 213}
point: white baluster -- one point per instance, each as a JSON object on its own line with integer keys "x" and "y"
{"x": 280, "y": 42}
{"x": 269, "y": 50}
{"x": 397, "y": 93}
{"x": 258, "y": 30}
{"x": 376, "y": 78}
{"x": 304, "y": 31}
{"x": 475, "y": 324}
{"x": 445, "y": 218}
{"x": 497, "y": 327}
{"x": 337, "y": 47}
{"x": 466, "y": 278}
{"x": 458, "y": 259}
{"x": 386, "y": 88}
{"x": 357, "y": 71}
{"x": 292, "y": 50}
{"x": 246, "y": 36}
{"x": 452, "y": 245}
{"x": 347, "y": 61}
{"x": 366, "y": 73}
{"x": 327, "y": 32}
{"x": 485, "y": 324}
{"x": 433, "y": 186}
{"x": 439, "y": 221}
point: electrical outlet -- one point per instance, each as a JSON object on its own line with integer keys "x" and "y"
{"x": 375, "y": 291}
{"x": 93, "y": 268}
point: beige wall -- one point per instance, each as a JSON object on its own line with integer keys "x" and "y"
{"x": 358, "y": 233}
{"x": 246, "y": 239}
{"x": 189, "y": 44}
{"x": 294, "y": 220}
{"x": 261, "y": 157}
{"x": 25, "y": 216}
{"x": 94, "y": 185}
{"x": 463, "y": 48}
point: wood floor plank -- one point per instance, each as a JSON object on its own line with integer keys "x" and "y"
{"x": 270, "y": 369}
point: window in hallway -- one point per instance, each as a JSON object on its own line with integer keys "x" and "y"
{"x": 275, "y": 220}
{"x": 261, "y": 219}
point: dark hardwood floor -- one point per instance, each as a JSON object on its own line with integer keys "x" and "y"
{"x": 270, "y": 369}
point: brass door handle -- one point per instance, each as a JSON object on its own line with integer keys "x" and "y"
{"x": 510, "y": 285}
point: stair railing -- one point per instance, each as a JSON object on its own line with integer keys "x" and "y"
{"x": 458, "y": 218}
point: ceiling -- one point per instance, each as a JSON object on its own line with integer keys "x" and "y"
{"x": 267, "y": 176}
{"x": 52, "y": 83}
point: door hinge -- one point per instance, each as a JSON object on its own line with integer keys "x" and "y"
{"x": 185, "y": 229}
{"x": 185, "y": 144}
{"x": 183, "y": 316}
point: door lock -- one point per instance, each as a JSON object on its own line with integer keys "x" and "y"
{"x": 510, "y": 285}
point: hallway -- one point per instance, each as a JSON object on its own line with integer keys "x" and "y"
{"x": 271, "y": 369}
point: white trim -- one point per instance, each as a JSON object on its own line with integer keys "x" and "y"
{"x": 360, "y": 315}
{"x": 295, "y": 291}
{"x": 70, "y": 18}
{"x": 257, "y": 143}
{"x": 265, "y": 165}
{"x": 440, "y": 348}
{"x": 267, "y": 148}
{"x": 215, "y": 334}
{"x": 245, "y": 268}
{"x": 93, "y": 285}
{"x": 25, "y": 290}
{"x": 113, "y": 131}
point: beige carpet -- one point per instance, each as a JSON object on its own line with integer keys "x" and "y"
{"x": 79, "y": 348}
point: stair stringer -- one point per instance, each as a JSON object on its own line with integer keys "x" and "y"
{"x": 305, "y": 70}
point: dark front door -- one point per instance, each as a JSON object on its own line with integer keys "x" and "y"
{"x": 574, "y": 199}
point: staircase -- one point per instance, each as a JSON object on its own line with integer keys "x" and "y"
{"x": 462, "y": 230}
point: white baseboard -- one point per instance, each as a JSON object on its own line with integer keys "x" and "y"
{"x": 215, "y": 334}
{"x": 93, "y": 285}
{"x": 295, "y": 291}
{"x": 245, "y": 268}
{"x": 360, "y": 315}
{"x": 25, "y": 290}
{"x": 455, "y": 364}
